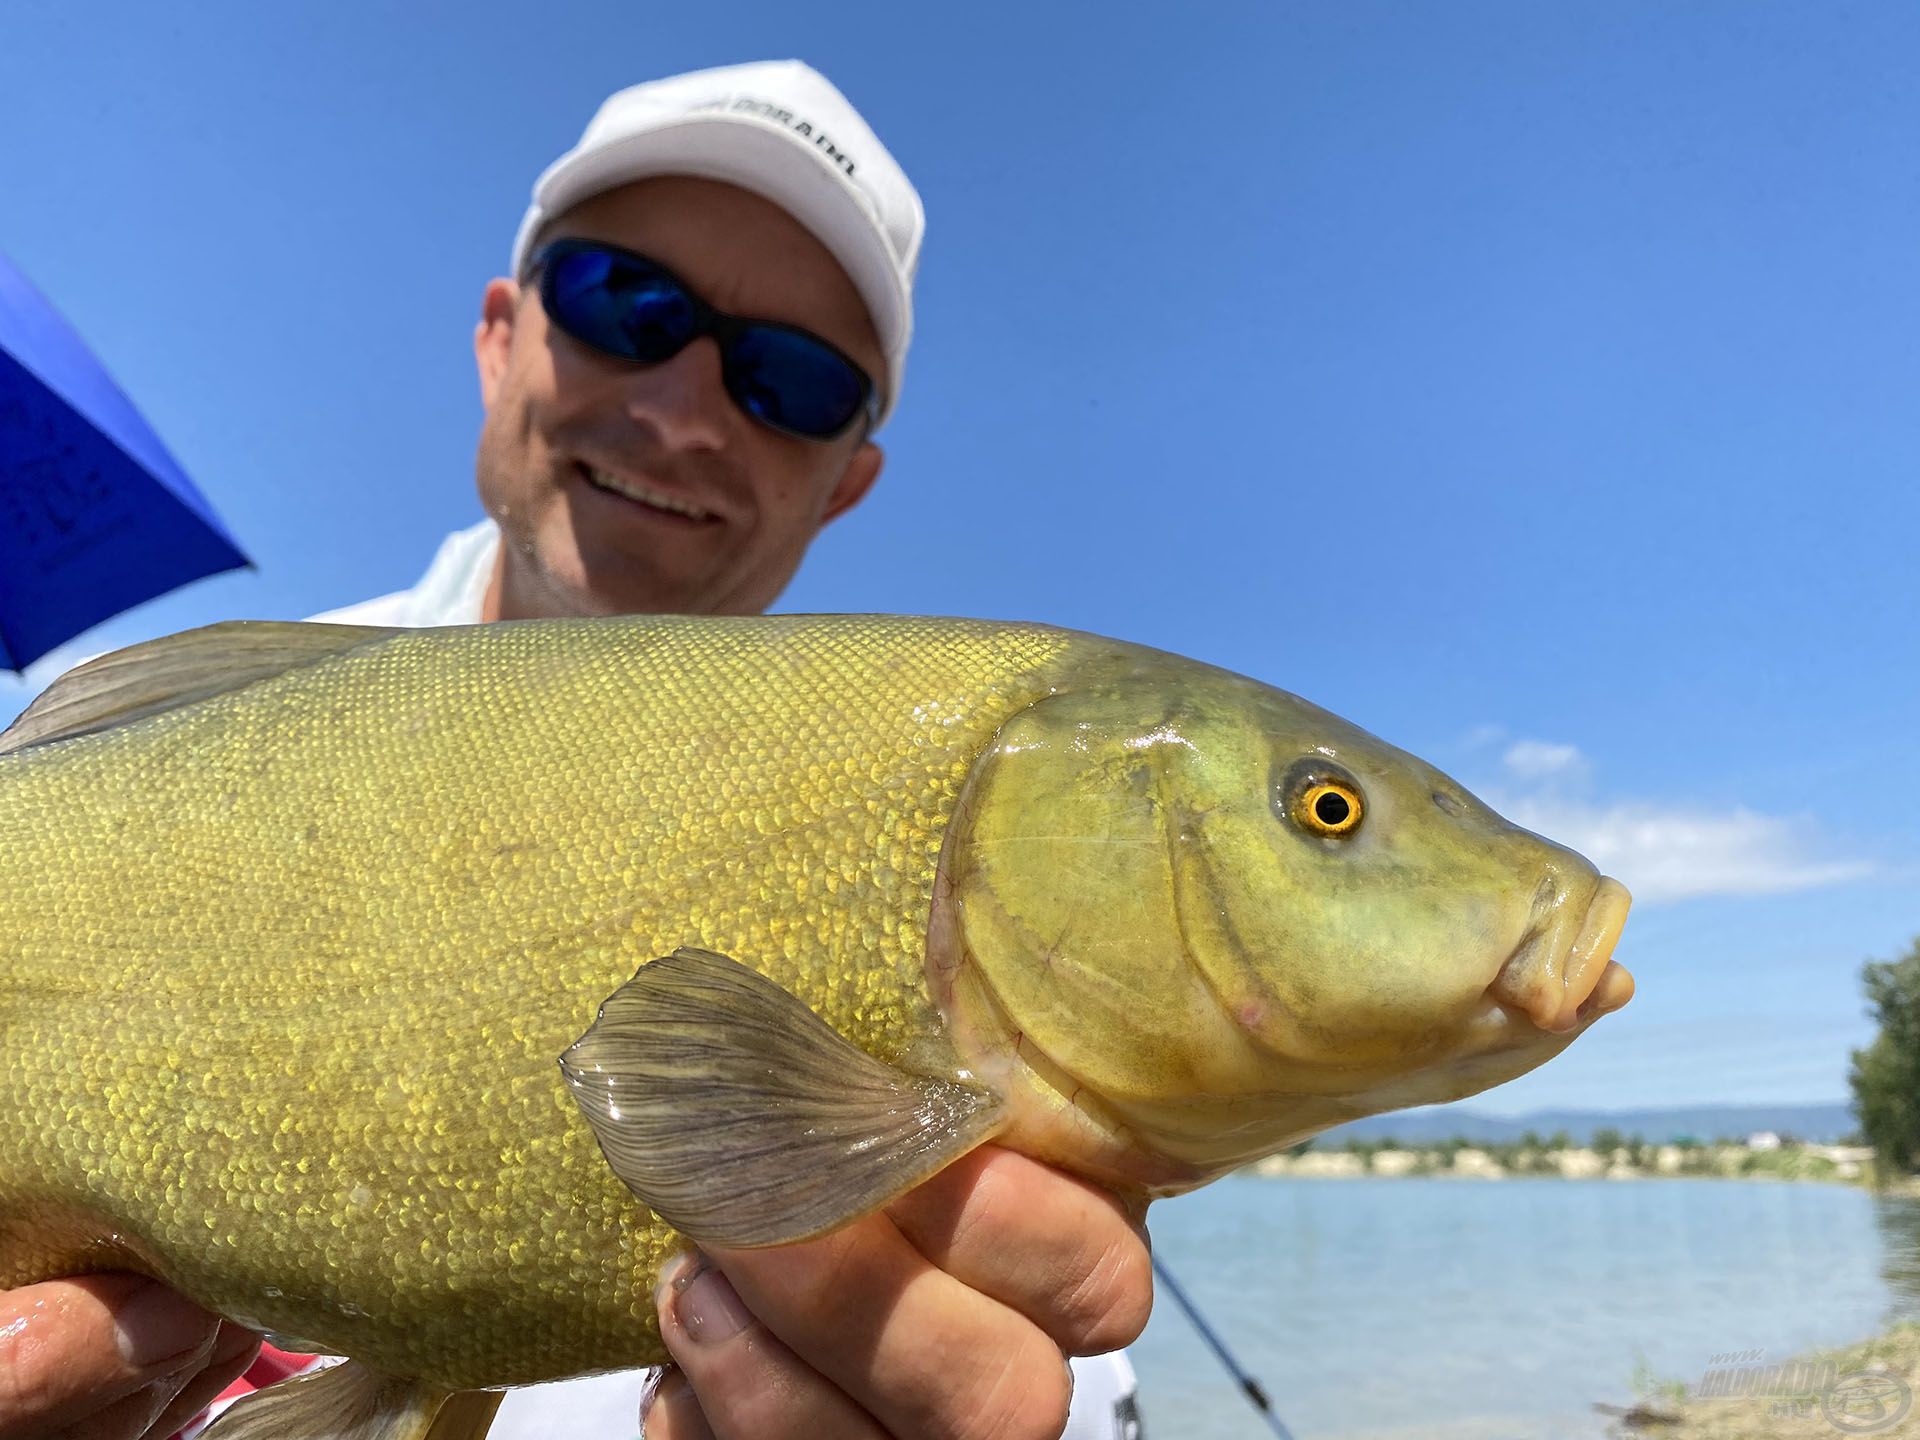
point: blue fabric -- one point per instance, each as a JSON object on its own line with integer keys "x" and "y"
{"x": 95, "y": 515}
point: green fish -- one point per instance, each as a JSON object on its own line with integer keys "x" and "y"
{"x": 420, "y": 993}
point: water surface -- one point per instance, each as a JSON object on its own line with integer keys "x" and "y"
{"x": 1501, "y": 1310}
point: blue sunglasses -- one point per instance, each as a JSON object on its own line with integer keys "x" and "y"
{"x": 626, "y": 306}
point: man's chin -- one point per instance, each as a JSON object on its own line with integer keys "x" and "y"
{"x": 528, "y": 588}
{"x": 631, "y": 587}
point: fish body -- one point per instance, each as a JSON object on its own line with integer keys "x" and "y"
{"x": 290, "y": 946}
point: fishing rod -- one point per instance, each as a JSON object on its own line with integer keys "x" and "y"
{"x": 1248, "y": 1384}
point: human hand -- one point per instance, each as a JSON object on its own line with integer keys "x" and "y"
{"x": 946, "y": 1317}
{"x": 110, "y": 1357}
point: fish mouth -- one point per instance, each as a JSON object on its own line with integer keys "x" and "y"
{"x": 1562, "y": 987}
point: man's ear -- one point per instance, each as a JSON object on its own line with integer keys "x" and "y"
{"x": 862, "y": 470}
{"x": 493, "y": 336}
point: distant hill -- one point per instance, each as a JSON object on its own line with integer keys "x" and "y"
{"x": 1434, "y": 1123}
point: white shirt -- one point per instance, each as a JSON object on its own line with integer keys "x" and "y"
{"x": 606, "y": 1407}
{"x": 450, "y": 593}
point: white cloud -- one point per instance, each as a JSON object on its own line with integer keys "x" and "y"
{"x": 1538, "y": 760}
{"x": 1663, "y": 852}
{"x": 1482, "y": 736}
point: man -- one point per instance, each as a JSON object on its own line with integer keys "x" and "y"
{"x": 644, "y": 451}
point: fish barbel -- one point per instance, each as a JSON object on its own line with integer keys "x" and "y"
{"x": 332, "y": 989}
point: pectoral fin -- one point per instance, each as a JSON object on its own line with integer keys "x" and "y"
{"x": 742, "y": 1119}
{"x": 351, "y": 1402}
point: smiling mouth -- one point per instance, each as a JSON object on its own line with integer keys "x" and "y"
{"x": 630, "y": 489}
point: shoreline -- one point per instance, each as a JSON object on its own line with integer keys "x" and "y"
{"x": 1850, "y": 1165}
{"x": 1864, "y": 1388}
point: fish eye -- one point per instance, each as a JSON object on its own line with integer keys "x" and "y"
{"x": 1319, "y": 797}
{"x": 1329, "y": 807}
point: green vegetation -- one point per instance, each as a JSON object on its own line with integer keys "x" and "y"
{"x": 1610, "y": 1155}
{"x": 1782, "y": 1400}
{"x": 1789, "y": 1162}
{"x": 1886, "y": 1075}
{"x": 1648, "y": 1384}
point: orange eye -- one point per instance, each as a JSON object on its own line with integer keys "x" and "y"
{"x": 1329, "y": 808}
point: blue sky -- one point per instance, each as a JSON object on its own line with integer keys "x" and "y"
{"x": 1535, "y": 385}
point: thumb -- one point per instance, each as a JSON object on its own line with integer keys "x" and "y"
{"x": 70, "y": 1348}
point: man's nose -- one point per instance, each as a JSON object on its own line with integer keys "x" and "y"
{"x": 684, "y": 398}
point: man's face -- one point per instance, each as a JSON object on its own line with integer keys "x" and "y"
{"x": 589, "y": 464}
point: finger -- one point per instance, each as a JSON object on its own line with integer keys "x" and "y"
{"x": 735, "y": 1380}
{"x": 131, "y": 1417}
{"x": 671, "y": 1411}
{"x": 159, "y": 1410}
{"x": 1070, "y": 1256}
{"x": 234, "y": 1350}
{"x": 71, "y": 1348}
{"x": 924, "y": 1354}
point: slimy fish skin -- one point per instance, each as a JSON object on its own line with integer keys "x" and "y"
{"x": 418, "y": 995}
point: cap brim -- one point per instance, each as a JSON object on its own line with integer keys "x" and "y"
{"x": 767, "y": 160}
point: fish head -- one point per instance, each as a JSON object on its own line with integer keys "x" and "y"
{"x": 1203, "y": 918}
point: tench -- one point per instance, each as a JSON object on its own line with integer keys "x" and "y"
{"x": 420, "y": 993}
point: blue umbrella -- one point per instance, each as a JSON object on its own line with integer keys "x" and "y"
{"x": 95, "y": 515}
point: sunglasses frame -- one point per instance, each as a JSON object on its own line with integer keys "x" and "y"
{"x": 725, "y": 329}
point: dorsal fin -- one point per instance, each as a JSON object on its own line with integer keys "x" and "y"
{"x": 176, "y": 671}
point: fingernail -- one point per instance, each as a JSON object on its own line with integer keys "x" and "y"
{"x": 158, "y": 1324}
{"x": 232, "y": 1343}
{"x": 161, "y": 1393}
{"x": 666, "y": 1386}
{"x": 650, "y": 1391}
{"x": 681, "y": 1267}
{"x": 706, "y": 1304}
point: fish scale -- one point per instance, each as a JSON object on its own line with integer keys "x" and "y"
{"x": 416, "y": 995}
{"x": 445, "y": 851}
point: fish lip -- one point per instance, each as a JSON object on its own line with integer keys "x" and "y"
{"x": 1580, "y": 981}
{"x": 591, "y": 471}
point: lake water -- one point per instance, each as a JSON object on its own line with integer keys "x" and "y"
{"x": 1502, "y": 1310}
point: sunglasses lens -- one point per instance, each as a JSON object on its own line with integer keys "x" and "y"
{"x": 626, "y": 306}
{"x": 613, "y": 304}
{"x": 793, "y": 382}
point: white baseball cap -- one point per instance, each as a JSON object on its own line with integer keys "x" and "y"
{"x": 780, "y": 129}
